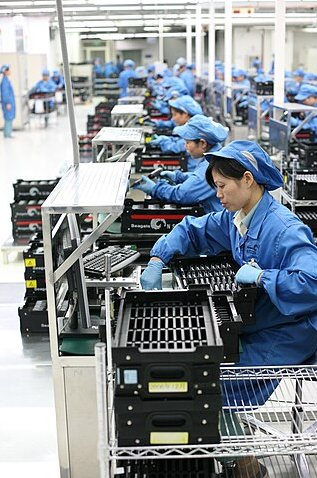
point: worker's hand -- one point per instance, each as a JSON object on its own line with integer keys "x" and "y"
{"x": 151, "y": 277}
{"x": 156, "y": 140}
{"x": 146, "y": 186}
{"x": 8, "y": 106}
{"x": 248, "y": 274}
{"x": 170, "y": 175}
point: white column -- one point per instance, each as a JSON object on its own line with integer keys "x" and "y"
{"x": 198, "y": 41}
{"x": 211, "y": 42}
{"x": 161, "y": 40}
{"x": 279, "y": 49}
{"x": 228, "y": 44}
{"x": 189, "y": 50}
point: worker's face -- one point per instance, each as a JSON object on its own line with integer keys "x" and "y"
{"x": 180, "y": 117}
{"x": 45, "y": 77}
{"x": 298, "y": 79}
{"x": 196, "y": 150}
{"x": 310, "y": 101}
{"x": 234, "y": 194}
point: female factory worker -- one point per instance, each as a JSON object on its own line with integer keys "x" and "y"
{"x": 202, "y": 135}
{"x": 275, "y": 251}
{"x": 308, "y": 96}
{"x": 182, "y": 109}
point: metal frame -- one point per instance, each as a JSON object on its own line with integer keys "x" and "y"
{"x": 277, "y": 111}
{"x": 128, "y": 138}
{"x": 256, "y": 127}
{"x": 85, "y": 188}
{"x": 279, "y": 410}
{"x": 126, "y": 114}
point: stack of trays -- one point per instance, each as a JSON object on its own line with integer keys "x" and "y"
{"x": 152, "y": 216}
{"x": 167, "y": 352}
{"x": 216, "y": 273}
{"x": 172, "y": 468}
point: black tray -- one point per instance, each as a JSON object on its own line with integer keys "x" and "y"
{"x": 171, "y": 468}
{"x": 216, "y": 273}
{"x": 167, "y": 422}
{"x": 150, "y": 159}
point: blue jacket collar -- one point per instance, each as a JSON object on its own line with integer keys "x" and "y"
{"x": 259, "y": 215}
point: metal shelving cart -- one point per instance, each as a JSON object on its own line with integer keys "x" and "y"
{"x": 127, "y": 138}
{"x": 85, "y": 189}
{"x": 282, "y": 431}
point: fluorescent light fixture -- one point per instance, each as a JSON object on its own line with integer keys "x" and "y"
{"x": 80, "y": 9}
{"x": 34, "y": 10}
{"x": 94, "y": 29}
{"x": 88, "y": 24}
{"x": 120, "y": 9}
{"x": 25, "y": 3}
{"x": 124, "y": 17}
{"x": 163, "y": 7}
{"x": 105, "y": 3}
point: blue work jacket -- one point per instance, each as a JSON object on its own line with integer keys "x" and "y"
{"x": 7, "y": 98}
{"x": 44, "y": 87}
{"x": 123, "y": 81}
{"x": 190, "y": 188}
{"x": 189, "y": 80}
{"x": 165, "y": 124}
{"x": 285, "y": 332}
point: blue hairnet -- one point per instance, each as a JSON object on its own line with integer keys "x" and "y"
{"x": 179, "y": 89}
{"x": 4, "y": 68}
{"x": 129, "y": 63}
{"x": 181, "y": 61}
{"x": 191, "y": 66}
{"x": 141, "y": 72}
{"x": 187, "y": 104}
{"x": 151, "y": 69}
{"x": 250, "y": 155}
{"x": 306, "y": 91}
{"x": 55, "y": 72}
{"x": 299, "y": 72}
{"x": 45, "y": 72}
{"x": 310, "y": 77}
{"x": 239, "y": 72}
{"x": 175, "y": 68}
{"x": 201, "y": 127}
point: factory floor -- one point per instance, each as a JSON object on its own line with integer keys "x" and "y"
{"x": 28, "y": 443}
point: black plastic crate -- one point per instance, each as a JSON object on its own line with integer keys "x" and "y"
{"x": 33, "y": 317}
{"x": 26, "y": 210}
{"x": 148, "y": 160}
{"x": 309, "y": 217}
{"x": 26, "y": 228}
{"x": 35, "y": 284}
{"x": 151, "y": 216}
{"x": 169, "y": 468}
{"x": 138, "y": 82}
{"x": 216, "y": 273}
{"x": 301, "y": 184}
{"x": 307, "y": 154}
{"x": 105, "y": 107}
{"x": 168, "y": 422}
{"x": 33, "y": 189}
{"x": 158, "y": 327}
{"x": 262, "y": 88}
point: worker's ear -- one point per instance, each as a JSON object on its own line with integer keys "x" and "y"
{"x": 204, "y": 144}
{"x": 248, "y": 178}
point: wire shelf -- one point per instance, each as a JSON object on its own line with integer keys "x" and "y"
{"x": 286, "y": 424}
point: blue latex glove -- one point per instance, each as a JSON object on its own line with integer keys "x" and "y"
{"x": 248, "y": 274}
{"x": 156, "y": 140}
{"x": 171, "y": 175}
{"x": 151, "y": 277}
{"x": 146, "y": 186}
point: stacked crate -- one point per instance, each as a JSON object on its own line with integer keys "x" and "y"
{"x": 26, "y": 209}
{"x": 167, "y": 353}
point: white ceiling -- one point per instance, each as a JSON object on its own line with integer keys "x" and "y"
{"x": 116, "y": 17}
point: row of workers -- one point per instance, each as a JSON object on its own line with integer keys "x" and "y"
{"x": 182, "y": 71}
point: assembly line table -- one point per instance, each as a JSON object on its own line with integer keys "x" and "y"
{"x": 127, "y": 138}
{"x": 86, "y": 188}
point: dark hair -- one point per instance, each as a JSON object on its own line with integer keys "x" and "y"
{"x": 229, "y": 168}
{"x": 196, "y": 141}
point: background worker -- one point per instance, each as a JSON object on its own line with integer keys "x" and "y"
{"x": 202, "y": 135}
{"x": 7, "y": 101}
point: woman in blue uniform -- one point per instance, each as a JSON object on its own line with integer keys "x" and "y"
{"x": 202, "y": 135}
{"x": 275, "y": 251}
{"x": 7, "y": 101}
